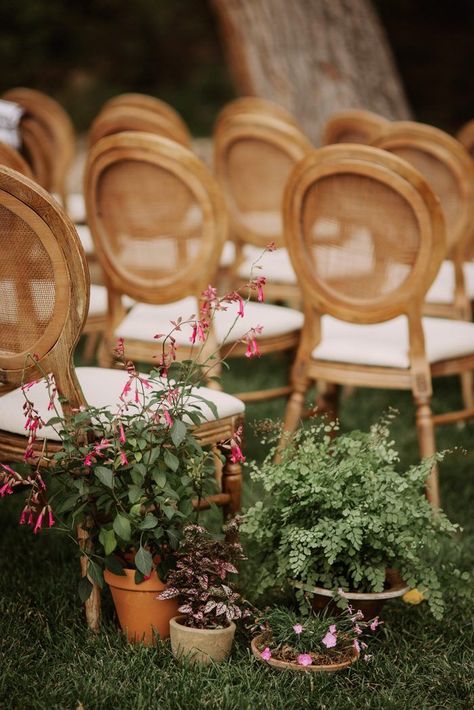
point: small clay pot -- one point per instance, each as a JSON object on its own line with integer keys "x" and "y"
{"x": 200, "y": 646}
{"x": 140, "y": 613}
{"x": 369, "y": 603}
{"x": 293, "y": 666}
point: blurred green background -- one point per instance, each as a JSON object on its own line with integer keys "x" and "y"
{"x": 84, "y": 51}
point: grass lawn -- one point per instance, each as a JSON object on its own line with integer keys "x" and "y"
{"x": 49, "y": 660}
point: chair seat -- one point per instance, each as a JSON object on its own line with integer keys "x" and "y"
{"x": 228, "y": 254}
{"x": 442, "y": 289}
{"x": 102, "y": 387}
{"x": 86, "y": 238}
{"x": 76, "y": 207}
{"x": 386, "y": 344}
{"x": 98, "y": 301}
{"x": 144, "y": 321}
{"x": 276, "y": 265}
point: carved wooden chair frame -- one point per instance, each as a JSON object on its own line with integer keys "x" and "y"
{"x": 353, "y": 126}
{"x": 123, "y": 117}
{"x": 149, "y": 103}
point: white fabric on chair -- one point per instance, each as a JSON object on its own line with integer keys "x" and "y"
{"x": 442, "y": 289}
{"x": 10, "y": 116}
{"x": 86, "y": 238}
{"x": 386, "y": 344}
{"x": 98, "y": 301}
{"x": 275, "y": 265}
{"x": 102, "y": 388}
{"x": 228, "y": 254}
{"x": 144, "y": 321}
{"x": 76, "y": 207}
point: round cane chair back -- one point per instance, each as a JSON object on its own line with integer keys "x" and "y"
{"x": 44, "y": 285}
{"x": 353, "y": 126}
{"x": 48, "y": 138}
{"x": 11, "y": 158}
{"x": 254, "y": 154}
{"x": 156, "y": 216}
{"x": 254, "y": 104}
{"x": 149, "y": 103}
{"x": 466, "y": 137}
{"x": 364, "y": 231}
{"x": 117, "y": 119}
{"x": 448, "y": 169}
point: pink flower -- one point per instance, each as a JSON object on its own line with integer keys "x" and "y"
{"x": 270, "y": 246}
{"x": 24, "y": 515}
{"x": 123, "y": 458}
{"x": 240, "y": 312}
{"x": 39, "y": 522}
{"x": 7, "y": 468}
{"x": 6, "y": 489}
{"x": 266, "y": 654}
{"x": 356, "y": 645}
{"x": 298, "y": 629}
{"x": 236, "y": 454}
{"x": 50, "y": 518}
{"x": 167, "y": 417}
{"x": 357, "y": 629}
{"x": 260, "y": 283}
{"x": 252, "y": 348}
{"x": 304, "y": 659}
{"x": 122, "y": 434}
{"x": 330, "y": 640}
{"x": 192, "y": 338}
{"x": 88, "y": 460}
{"x": 374, "y": 623}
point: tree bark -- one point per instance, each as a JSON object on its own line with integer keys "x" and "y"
{"x": 314, "y": 57}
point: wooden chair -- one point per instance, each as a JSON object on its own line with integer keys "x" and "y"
{"x": 48, "y": 138}
{"x": 159, "y": 223}
{"x": 117, "y": 119}
{"x": 466, "y": 137}
{"x": 149, "y": 103}
{"x": 254, "y": 153}
{"x": 255, "y": 104}
{"x": 366, "y": 237}
{"x": 353, "y": 126}
{"x": 448, "y": 169}
{"x": 44, "y": 283}
{"x": 11, "y": 158}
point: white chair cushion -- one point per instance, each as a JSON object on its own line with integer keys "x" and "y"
{"x": 98, "y": 301}
{"x": 276, "y": 265}
{"x": 76, "y": 207}
{"x": 86, "y": 238}
{"x": 228, "y": 254}
{"x": 442, "y": 289}
{"x": 386, "y": 344}
{"x": 144, "y": 321}
{"x": 102, "y": 388}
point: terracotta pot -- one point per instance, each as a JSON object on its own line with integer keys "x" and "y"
{"x": 369, "y": 603}
{"x": 201, "y": 646}
{"x": 139, "y": 611}
{"x": 288, "y": 665}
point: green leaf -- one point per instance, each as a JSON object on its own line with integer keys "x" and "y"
{"x": 159, "y": 477}
{"x": 134, "y": 493}
{"x": 105, "y": 476}
{"x": 171, "y": 460}
{"x": 169, "y": 511}
{"x": 84, "y": 589}
{"x": 108, "y": 540}
{"x": 178, "y": 432}
{"x": 148, "y": 522}
{"x": 95, "y": 573}
{"x": 143, "y": 561}
{"x": 122, "y": 527}
{"x": 114, "y": 565}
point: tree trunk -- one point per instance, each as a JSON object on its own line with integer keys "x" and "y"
{"x": 314, "y": 57}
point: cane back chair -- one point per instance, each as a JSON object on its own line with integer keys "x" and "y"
{"x": 159, "y": 223}
{"x": 466, "y": 137}
{"x": 44, "y": 284}
{"x": 11, "y": 158}
{"x": 348, "y": 206}
{"x": 116, "y": 119}
{"x": 353, "y": 126}
{"x": 254, "y": 153}
{"x": 447, "y": 167}
{"x": 149, "y": 103}
{"x": 48, "y": 137}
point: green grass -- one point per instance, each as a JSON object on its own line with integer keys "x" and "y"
{"x": 49, "y": 660}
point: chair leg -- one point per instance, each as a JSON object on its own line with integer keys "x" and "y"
{"x": 232, "y": 484}
{"x": 328, "y": 400}
{"x": 104, "y": 356}
{"x": 90, "y": 346}
{"x": 295, "y": 406}
{"x": 467, "y": 386}
{"x": 427, "y": 444}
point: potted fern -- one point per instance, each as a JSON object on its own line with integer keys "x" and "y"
{"x": 342, "y": 522}
{"x": 209, "y": 605}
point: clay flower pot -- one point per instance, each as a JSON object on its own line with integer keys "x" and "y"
{"x": 259, "y": 641}
{"x": 200, "y": 646}
{"x": 369, "y": 603}
{"x": 141, "y": 614}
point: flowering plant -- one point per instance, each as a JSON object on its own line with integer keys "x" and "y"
{"x": 201, "y": 578}
{"x": 312, "y": 640}
{"x": 339, "y": 513}
{"x": 129, "y": 476}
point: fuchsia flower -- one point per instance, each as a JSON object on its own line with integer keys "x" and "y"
{"x": 6, "y": 489}
{"x": 167, "y": 417}
{"x": 330, "y": 640}
{"x": 50, "y": 517}
{"x": 298, "y": 629}
{"x": 356, "y": 645}
{"x": 122, "y": 434}
{"x": 270, "y": 246}
{"x": 39, "y": 522}
{"x": 88, "y": 460}
{"x": 236, "y": 454}
{"x": 240, "y": 312}
{"x": 252, "y": 348}
{"x": 374, "y": 623}
{"x": 266, "y": 654}
{"x": 304, "y": 659}
{"x": 123, "y": 458}
{"x": 259, "y": 284}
